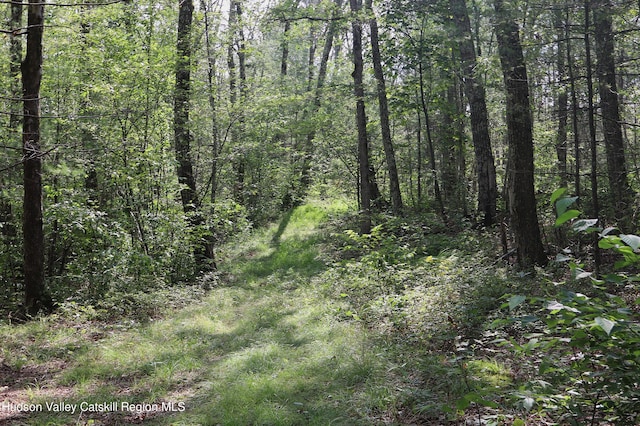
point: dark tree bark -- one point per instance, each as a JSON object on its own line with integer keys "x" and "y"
{"x": 387, "y": 143}
{"x": 521, "y": 196}
{"x": 361, "y": 120}
{"x": 36, "y": 298}
{"x": 203, "y": 252}
{"x": 609, "y": 104}
{"x": 181, "y": 107}
{"x": 475, "y": 93}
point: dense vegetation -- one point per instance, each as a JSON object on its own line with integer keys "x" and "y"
{"x": 407, "y": 212}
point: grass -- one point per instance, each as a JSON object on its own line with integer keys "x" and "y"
{"x": 295, "y": 332}
{"x": 266, "y": 349}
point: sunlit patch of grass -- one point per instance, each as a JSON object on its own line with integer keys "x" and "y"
{"x": 489, "y": 373}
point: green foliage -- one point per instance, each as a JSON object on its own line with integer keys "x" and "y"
{"x": 584, "y": 346}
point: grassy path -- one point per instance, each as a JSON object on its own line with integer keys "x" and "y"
{"x": 264, "y": 347}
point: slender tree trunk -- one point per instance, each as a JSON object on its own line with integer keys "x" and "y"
{"x": 522, "y": 201}
{"x": 562, "y": 103}
{"x": 33, "y": 233}
{"x": 203, "y": 248}
{"x": 305, "y": 175}
{"x": 574, "y": 103}
{"x": 240, "y": 163}
{"x": 475, "y": 92}
{"x": 430, "y": 149}
{"x": 361, "y": 120}
{"x": 592, "y": 132}
{"x": 614, "y": 143}
{"x": 284, "y": 62}
{"x": 215, "y": 131}
{"x": 181, "y": 107}
{"x": 387, "y": 143}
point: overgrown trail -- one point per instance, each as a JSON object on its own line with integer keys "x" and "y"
{"x": 265, "y": 347}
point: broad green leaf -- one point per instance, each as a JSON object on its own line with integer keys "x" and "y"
{"x": 566, "y": 216}
{"x": 515, "y": 301}
{"x": 563, "y": 204}
{"x": 519, "y": 422}
{"x": 606, "y": 324}
{"x": 557, "y": 194}
{"x": 632, "y": 241}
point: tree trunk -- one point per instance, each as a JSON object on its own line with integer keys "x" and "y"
{"x": 387, "y": 143}
{"x": 430, "y": 149}
{"x": 215, "y": 131}
{"x": 203, "y": 248}
{"x": 574, "y": 103}
{"x": 305, "y": 175}
{"x": 33, "y": 233}
{"x": 609, "y": 104}
{"x": 475, "y": 92}
{"x": 562, "y": 103}
{"x": 521, "y": 196}
{"x": 361, "y": 120}
{"x": 181, "y": 107}
{"x": 593, "y": 145}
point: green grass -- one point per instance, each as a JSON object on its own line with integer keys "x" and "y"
{"x": 266, "y": 349}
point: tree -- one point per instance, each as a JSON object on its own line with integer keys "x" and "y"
{"x": 475, "y": 93}
{"x": 361, "y": 121}
{"x": 520, "y": 186}
{"x": 619, "y": 188}
{"x": 203, "y": 250}
{"x": 36, "y": 298}
{"x": 387, "y": 143}
{"x": 181, "y": 106}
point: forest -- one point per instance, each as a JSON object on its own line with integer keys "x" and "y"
{"x": 292, "y": 212}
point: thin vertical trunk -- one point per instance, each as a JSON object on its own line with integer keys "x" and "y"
{"x": 430, "y": 148}
{"x": 33, "y": 233}
{"x": 609, "y": 103}
{"x": 562, "y": 103}
{"x": 181, "y": 107}
{"x": 305, "y": 175}
{"x": 215, "y": 131}
{"x": 285, "y": 49}
{"x": 242, "y": 73}
{"x": 361, "y": 120}
{"x": 387, "y": 143}
{"x": 592, "y": 132}
{"x": 15, "y": 53}
{"x": 522, "y": 201}
{"x": 475, "y": 93}
{"x": 574, "y": 104}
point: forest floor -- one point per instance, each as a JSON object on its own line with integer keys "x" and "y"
{"x": 274, "y": 342}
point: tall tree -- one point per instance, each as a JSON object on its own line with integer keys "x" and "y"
{"x": 361, "y": 120}
{"x": 520, "y": 186}
{"x": 475, "y": 93}
{"x": 387, "y": 142}
{"x": 182, "y": 101}
{"x": 32, "y": 228}
{"x": 334, "y": 25}
{"x": 203, "y": 250}
{"x": 609, "y": 104}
